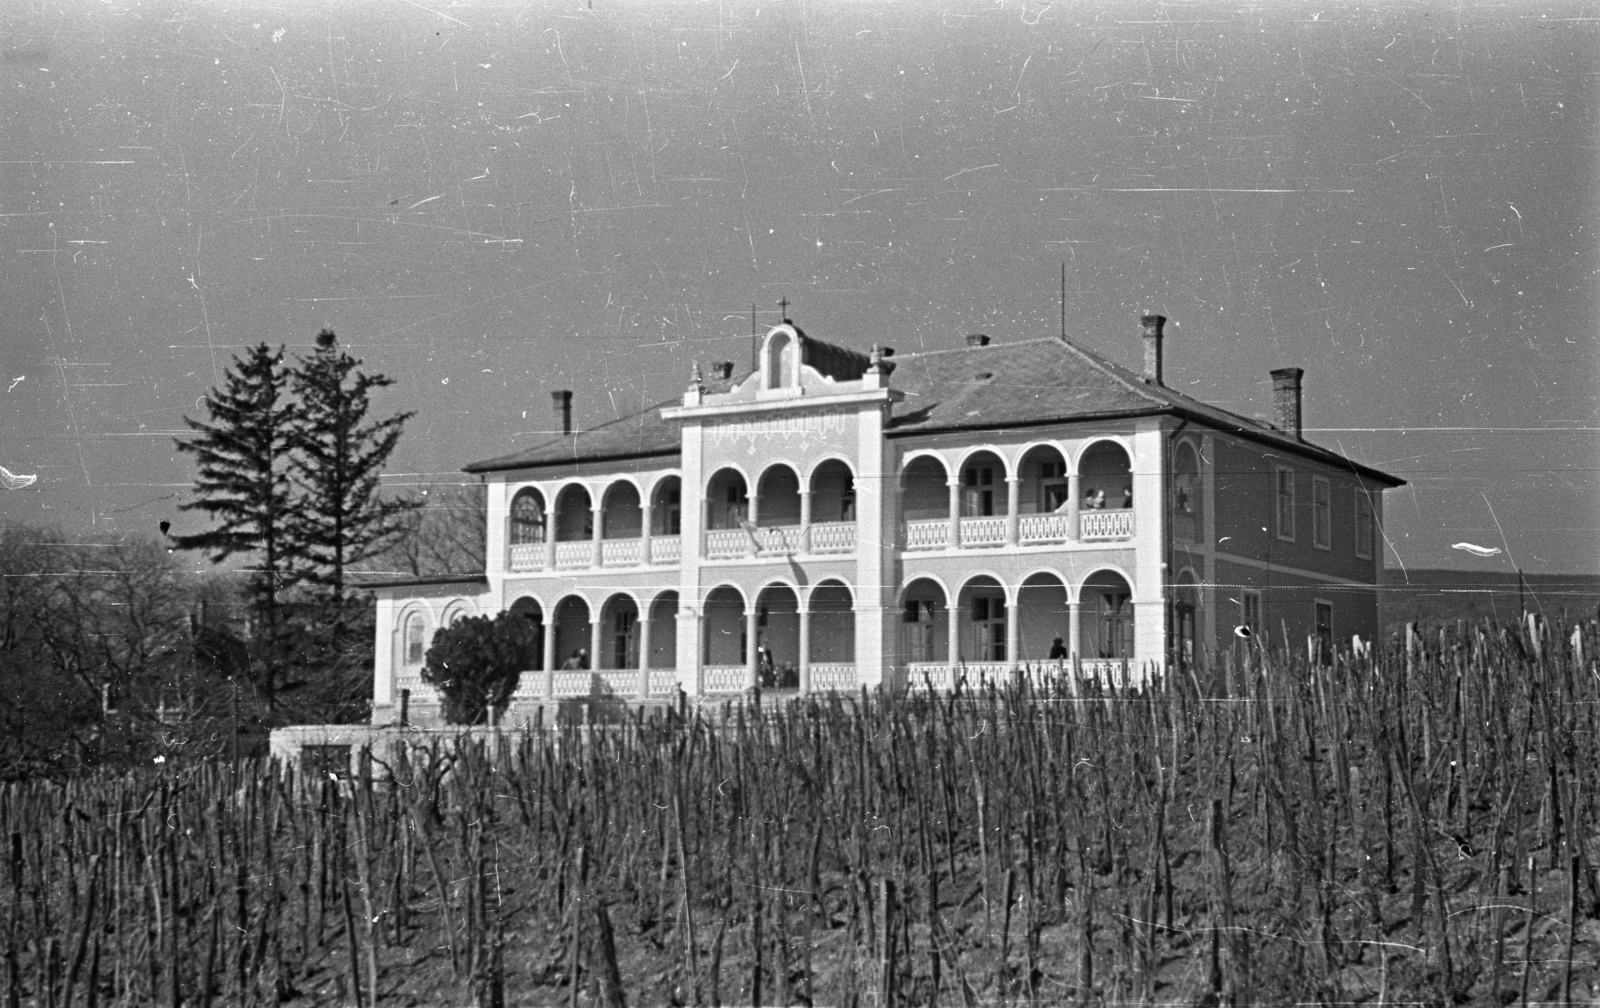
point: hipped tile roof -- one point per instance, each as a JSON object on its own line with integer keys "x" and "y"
{"x": 1020, "y": 384}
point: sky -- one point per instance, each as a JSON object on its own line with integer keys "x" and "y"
{"x": 488, "y": 201}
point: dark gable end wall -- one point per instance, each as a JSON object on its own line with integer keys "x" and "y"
{"x": 1246, "y": 504}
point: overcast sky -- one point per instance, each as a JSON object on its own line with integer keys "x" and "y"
{"x": 489, "y": 201}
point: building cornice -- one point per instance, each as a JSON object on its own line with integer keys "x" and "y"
{"x": 784, "y": 404}
{"x": 424, "y": 582}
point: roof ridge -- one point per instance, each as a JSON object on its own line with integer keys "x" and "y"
{"x": 963, "y": 349}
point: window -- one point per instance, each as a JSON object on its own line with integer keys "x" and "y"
{"x": 1052, "y": 486}
{"x": 1183, "y": 632}
{"x": 1186, "y": 493}
{"x": 989, "y": 628}
{"x": 920, "y": 638}
{"x": 1250, "y": 614}
{"x": 1115, "y": 624}
{"x": 672, "y": 512}
{"x": 1324, "y": 638}
{"x": 623, "y": 622}
{"x": 416, "y": 631}
{"x": 1363, "y": 524}
{"x": 1285, "y": 498}
{"x": 979, "y": 492}
{"x": 1321, "y": 514}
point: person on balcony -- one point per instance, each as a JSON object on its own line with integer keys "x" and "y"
{"x": 1095, "y": 500}
{"x": 1127, "y": 498}
{"x": 579, "y": 660}
{"x": 1058, "y": 650}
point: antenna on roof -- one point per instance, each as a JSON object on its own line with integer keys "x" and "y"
{"x": 1063, "y": 299}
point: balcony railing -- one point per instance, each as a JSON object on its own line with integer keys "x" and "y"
{"x": 833, "y": 537}
{"x": 928, "y": 534}
{"x": 1037, "y": 528}
{"x": 574, "y": 554}
{"x": 725, "y": 678}
{"x": 527, "y": 556}
{"x": 781, "y": 540}
{"x": 621, "y": 552}
{"x": 665, "y": 549}
{"x": 834, "y": 677}
{"x": 721, "y": 543}
{"x": 989, "y": 531}
{"x": 1105, "y": 524}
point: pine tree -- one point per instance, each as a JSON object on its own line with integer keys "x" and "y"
{"x": 243, "y": 483}
{"x": 336, "y": 465}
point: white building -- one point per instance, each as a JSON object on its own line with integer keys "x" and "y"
{"x": 912, "y": 518}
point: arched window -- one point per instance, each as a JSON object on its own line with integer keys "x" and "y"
{"x": 527, "y": 518}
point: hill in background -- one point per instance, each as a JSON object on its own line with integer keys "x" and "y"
{"x": 1433, "y": 596}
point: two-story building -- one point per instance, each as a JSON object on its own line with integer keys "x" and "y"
{"x": 834, "y": 519}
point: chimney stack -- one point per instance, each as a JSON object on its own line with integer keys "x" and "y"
{"x": 977, "y": 339}
{"x": 562, "y": 400}
{"x": 1152, "y": 347}
{"x": 1286, "y": 400}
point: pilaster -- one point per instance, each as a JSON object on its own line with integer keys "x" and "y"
{"x": 1151, "y": 572}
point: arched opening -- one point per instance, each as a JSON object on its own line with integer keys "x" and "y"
{"x": 778, "y": 497}
{"x": 833, "y": 493}
{"x": 1044, "y": 481}
{"x": 573, "y": 634}
{"x": 778, "y": 637}
{"x": 1185, "y": 609}
{"x": 924, "y": 623}
{"x": 1106, "y": 477}
{"x": 574, "y": 516}
{"x": 621, "y": 517}
{"x": 1105, "y": 609}
{"x": 983, "y": 486}
{"x": 723, "y": 619}
{"x": 833, "y": 625}
{"x": 983, "y": 620}
{"x": 619, "y": 634}
{"x": 1186, "y": 493}
{"x": 727, "y": 503}
{"x": 1043, "y": 619}
{"x": 777, "y": 358}
{"x": 663, "y": 631}
{"x": 527, "y": 517}
{"x": 530, "y": 610}
{"x": 924, "y": 494}
{"x": 666, "y": 507}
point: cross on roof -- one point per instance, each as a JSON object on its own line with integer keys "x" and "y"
{"x": 783, "y": 303}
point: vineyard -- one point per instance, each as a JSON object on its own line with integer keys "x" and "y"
{"x": 1418, "y": 828}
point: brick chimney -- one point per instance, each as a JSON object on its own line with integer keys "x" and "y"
{"x": 1286, "y": 400}
{"x": 977, "y": 339}
{"x": 562, "y": 400}
{"x": 1152, "y": 347}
